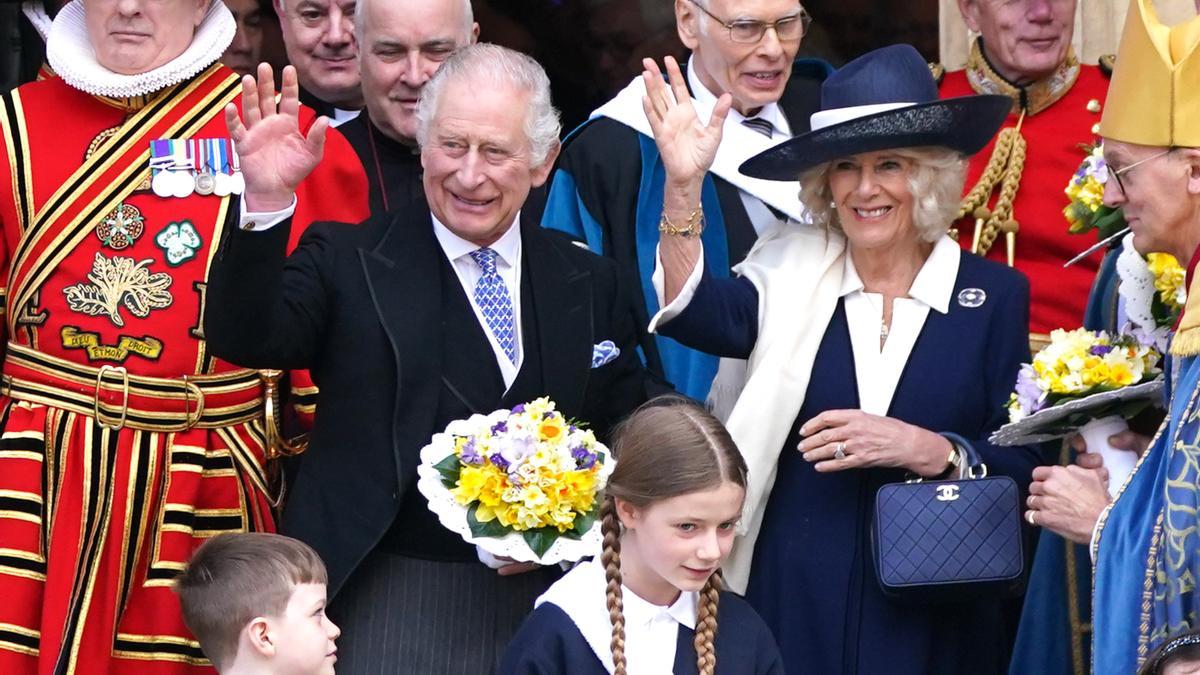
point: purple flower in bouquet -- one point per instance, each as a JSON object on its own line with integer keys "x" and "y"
{"x": 500, "y": 427}
{"x": 1029, "y": 394}
{"x": 518, "y": 409}
{"x": 583, "y": 458}
{"x": 470, "y": 453}
{"x": 499, "y": 461}
{"x": 1100, "y": 350}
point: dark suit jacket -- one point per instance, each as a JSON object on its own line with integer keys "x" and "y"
{"x": 364, "y": 307}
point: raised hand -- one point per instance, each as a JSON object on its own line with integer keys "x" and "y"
{"x": 686, "y": 144}
{"x": 275, "y": 156}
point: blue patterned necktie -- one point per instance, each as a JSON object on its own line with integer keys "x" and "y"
{"x": 494, "y": 302}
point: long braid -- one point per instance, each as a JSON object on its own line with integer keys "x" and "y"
{"x": 610, "y": 527}
{"x": 706, "y": 625}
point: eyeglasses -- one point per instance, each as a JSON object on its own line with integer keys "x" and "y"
{"x": 750, "y": 31}
{"x": 1116, "y": 174}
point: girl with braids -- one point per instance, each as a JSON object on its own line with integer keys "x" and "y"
{"x": 649, "y": 603}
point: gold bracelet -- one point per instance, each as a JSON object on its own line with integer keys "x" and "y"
{"x": 690, "y": 230}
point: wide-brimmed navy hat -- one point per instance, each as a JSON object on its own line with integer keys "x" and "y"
{"x": 882, "y": 100}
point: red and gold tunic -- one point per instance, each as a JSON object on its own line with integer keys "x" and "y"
{"x": 123, "y": 442}
{"x": 1057, "y": 127}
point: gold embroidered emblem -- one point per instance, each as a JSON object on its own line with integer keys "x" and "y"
{"x": 145, "y": 346}
{"x": 121, "y": 228}
{"x": 120, "y": 281}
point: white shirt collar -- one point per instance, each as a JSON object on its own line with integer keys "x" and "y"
{"x": 69, "y": 52}
{"x": 770, "y": 112}
{"x": 640, "y": 612}
{"x": 508, "y": 246}
{"x": 934, "y": 283}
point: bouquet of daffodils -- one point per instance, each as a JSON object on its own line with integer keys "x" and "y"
{"x": 1077, "y": 364}
{"x": 1087, "y": 212}
{"x": 521, "y": 483}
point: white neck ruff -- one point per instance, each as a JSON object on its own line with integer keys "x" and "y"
{"x": 70, "y": 54}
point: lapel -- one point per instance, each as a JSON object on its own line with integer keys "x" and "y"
{"x": 405, "y": 285}
{"x": 562, "y": 309}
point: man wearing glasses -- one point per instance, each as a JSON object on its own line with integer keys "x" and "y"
{"x": 1145, "y": 544}
{"x": 607, "y": 190}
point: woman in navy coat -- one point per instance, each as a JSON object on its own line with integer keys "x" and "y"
{"x": 874, "y": 345}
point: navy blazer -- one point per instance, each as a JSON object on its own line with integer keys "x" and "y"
{"x": 812, "y": 579}
{"x": 549, "y": 643}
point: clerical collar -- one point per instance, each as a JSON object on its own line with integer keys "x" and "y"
{"x": 70, "y": 54}
{"x": 1034, "y": 97}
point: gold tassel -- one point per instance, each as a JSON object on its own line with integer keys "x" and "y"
{"x": 1186, "y": 342}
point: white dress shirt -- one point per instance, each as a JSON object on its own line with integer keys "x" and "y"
{"x": 652, "y": 631}
{"x": 877, "y": 370}
{"x": 508, "y": 266}
{"x": 760, "y": 216}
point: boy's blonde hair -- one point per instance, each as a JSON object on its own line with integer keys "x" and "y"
{"x": 233, "y": 578}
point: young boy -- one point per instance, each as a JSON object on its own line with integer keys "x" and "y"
{"x": 256, "y": 603}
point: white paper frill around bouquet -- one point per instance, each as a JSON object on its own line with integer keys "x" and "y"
{"x": 1063, "y": 419}
{"x": 513, "y": 545}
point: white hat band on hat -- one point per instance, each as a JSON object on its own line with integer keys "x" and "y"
{"x": 828, "y": 118}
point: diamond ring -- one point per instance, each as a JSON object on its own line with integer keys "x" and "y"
{"x": 839, "y": 451}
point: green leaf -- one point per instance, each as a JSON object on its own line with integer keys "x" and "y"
{"x": 449, "y": 468}
{"x": 583, "y": 523}
{"x": 541, "y": 539}
{"x": 492, "y": 528}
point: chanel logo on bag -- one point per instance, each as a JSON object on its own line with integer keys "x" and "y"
{"x": 947, "y": 493}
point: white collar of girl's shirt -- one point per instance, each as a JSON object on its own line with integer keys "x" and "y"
{"x": 582, "y": 595}
{"x": 934, "y": 284}
{"x": 70, "y": 53}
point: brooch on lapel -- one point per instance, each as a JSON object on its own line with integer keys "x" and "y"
{"x": 604, "y": 352}
{"x": 971, "y": 297}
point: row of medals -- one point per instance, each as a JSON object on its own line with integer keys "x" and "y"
{"x": 168, "y": 183}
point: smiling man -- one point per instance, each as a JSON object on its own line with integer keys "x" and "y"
{"x": 607, "y": 190}
{"x": 1023, "y": 50}
{"x": 319, "y": 38}
{"x": 402, "y": 44}
{"x": 414, "y": 319}
{"x": 1146, "y": 543}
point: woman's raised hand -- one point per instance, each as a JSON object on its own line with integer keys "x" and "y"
{"x": 687, "y": 145}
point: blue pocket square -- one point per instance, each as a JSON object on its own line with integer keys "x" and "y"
{"x": 604, "y": 352}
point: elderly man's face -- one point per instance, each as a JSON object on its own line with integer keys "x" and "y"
{"x": 1159, "y": 197}
{"x": 404, "y": 43}
{"x": 754, "y": 74}
{"x": 478, "y": 169}
{"x": 244, "y": 52}
{"x": 319, "y": 37}
{"x": 1025, "y": 40}
{"x": 135, "y": 36}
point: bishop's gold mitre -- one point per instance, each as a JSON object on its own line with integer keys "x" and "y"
{"x": 1154, "y": 97}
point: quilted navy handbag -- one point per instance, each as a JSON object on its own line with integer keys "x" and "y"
{"x": 950, "y": 539}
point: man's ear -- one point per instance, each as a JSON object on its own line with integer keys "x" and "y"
{"x": 542, "y": 173}
{"x": 687, "y": 23}
{"x": 1191, "y": 156}
{"x": 970, "y": 13}
{"x": 258, "y": 633}
{"x": 475, "y": 33}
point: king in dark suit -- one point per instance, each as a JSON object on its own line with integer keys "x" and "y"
{"x": 415, "y": 319}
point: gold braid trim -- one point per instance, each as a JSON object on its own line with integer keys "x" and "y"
{"x": 1004, "y": 169}
{"x": 277, "y": 445}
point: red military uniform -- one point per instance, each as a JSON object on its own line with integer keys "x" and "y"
{"x": 1059, "y": 120}
{"x": 123, "y": 442}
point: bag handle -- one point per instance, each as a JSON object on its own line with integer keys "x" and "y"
{"x": 973, "y": 463}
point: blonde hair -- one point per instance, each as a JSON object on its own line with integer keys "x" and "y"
{"x": 233, "y": 578}
{"x": 670, "y": 432}
{"x": 935, "y": 181}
